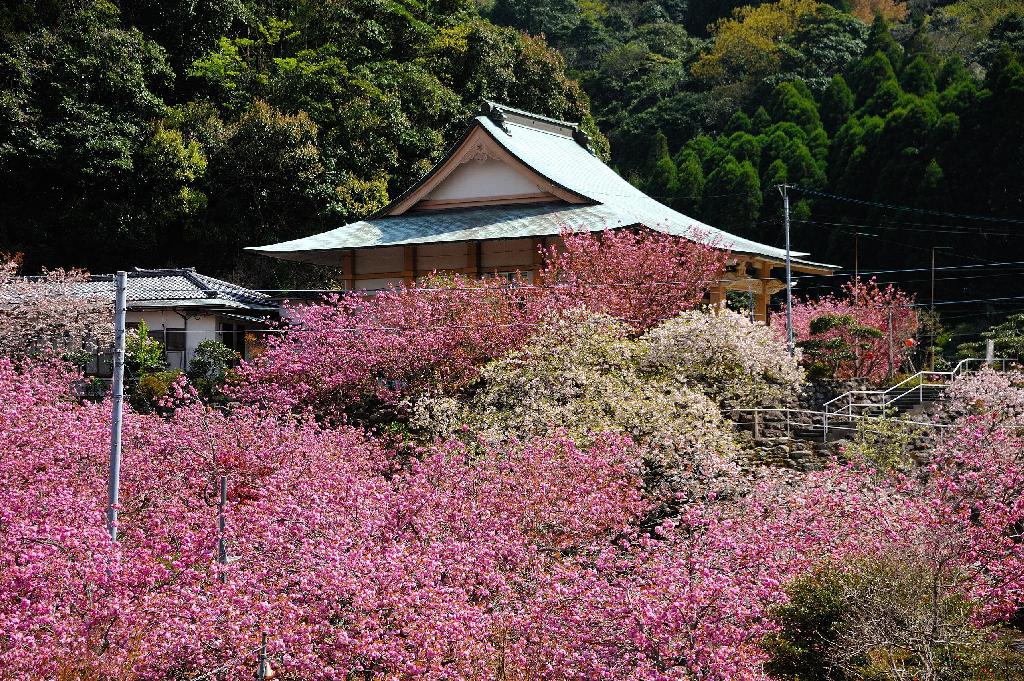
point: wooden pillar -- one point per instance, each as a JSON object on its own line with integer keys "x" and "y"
{"x": 473, "y": 259}
{"x": 409, "y": 270}
{"x": 348, "y": 273}
{"x": 764, "y": 275}
{"x": 717, "y": 297}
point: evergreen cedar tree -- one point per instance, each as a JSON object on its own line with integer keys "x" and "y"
{"x": 809, "y": 94}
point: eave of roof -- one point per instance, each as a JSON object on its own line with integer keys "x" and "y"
{"x": 210, "y": 304}
{"x": 177, "y": 288}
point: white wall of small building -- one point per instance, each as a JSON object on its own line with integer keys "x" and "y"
{"x": 197, "y": 329}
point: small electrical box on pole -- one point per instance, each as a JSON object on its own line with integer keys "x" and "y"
{"x": 117, "y": 398}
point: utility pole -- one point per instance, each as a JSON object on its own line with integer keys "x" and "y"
{"x": 114, "y": 481}
{"x": 222, "y": 546}
{"x": 931, "y": 346}
{"x": 789, "y": 272}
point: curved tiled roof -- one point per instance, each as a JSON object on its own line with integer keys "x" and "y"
{"x": 611, "y": 202}
{"x": 177, "y": 287}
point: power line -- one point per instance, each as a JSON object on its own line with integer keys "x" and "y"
{"x": 979, "y": 300}
{"x": 909, "y": 209}
{"x": 838, "y": 227}
{"x": 918, "y": 269}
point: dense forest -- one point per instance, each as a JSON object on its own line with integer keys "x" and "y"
{"x": 710, "y": 105}
{"x": 156, "y": 132}
{"x": 176, "y": 131}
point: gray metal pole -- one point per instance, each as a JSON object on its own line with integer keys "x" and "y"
{"x": 789, "y": 273}
{"x": 114, "y": 482}
{"x": 222, "y": 547}
{"x": 263, "y": 669}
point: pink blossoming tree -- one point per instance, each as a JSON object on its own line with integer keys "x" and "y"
{"x": 640, "y": 277}
{"x": 538, "y": 559}
{"x": 50, "y": 313}
{"x": 887, "y": 310}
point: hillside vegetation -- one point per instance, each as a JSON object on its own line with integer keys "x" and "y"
{"x": 156, "y": 132}
{"x": 709, "y": 105}
{"x": 173, "y": 132}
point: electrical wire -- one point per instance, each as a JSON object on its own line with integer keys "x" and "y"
{"x": 915, "y": 269}
{"x": 907, "y": 209}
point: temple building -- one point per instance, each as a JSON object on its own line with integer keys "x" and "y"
{"x": 511, "y": 184}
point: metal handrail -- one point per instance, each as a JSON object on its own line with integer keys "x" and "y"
{"x": 930, "y": 424}
{"x": 919, "y": 384}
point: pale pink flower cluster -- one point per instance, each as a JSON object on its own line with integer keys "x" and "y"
{"x": 995, "y": 395}
{"x": 50, "y": 314}
{"x": 727, "y": 356}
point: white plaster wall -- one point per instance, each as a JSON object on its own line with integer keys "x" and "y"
{"x": 197, "y": 329}
{"x": 477, "y": 180}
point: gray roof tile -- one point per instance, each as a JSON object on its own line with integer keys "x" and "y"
{"x": 182, "y": 287}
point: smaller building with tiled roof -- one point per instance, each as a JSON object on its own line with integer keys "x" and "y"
{"x": 182, "y": 308}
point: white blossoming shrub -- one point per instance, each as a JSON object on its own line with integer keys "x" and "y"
{"x": 580, "y": 375}
{"x": 996, "y": 395}
{"x": 724, "y": 355}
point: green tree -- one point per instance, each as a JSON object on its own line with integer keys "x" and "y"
{"x": 79, "y": 92}
{"x": 142, "y": 354}
{"x": 1008, "y": 338}
{"x": 794, "y": 104}
{"x": 732, "y": 197}
{"x": 269, "y": 180}
{"x": 552, "y": 18}
{"x": 739, "y": 122}
{"x": 760, "y": 120}
{"x": 208, "y": 369}
{"x": 868, "y": 75}
{"x": 880, "y": 40}
{"x": 690, "y": 176}
{"x": 662, "y": 180}
{"x": 917, "y": 77}
{"x": 836, "y": 104}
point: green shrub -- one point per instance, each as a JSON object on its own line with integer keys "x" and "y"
{"x": 886, "y": 618}
{"x": 150, "y": 389}
{"x": 142, "y": 354}
{"x": 209, "y": 368}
